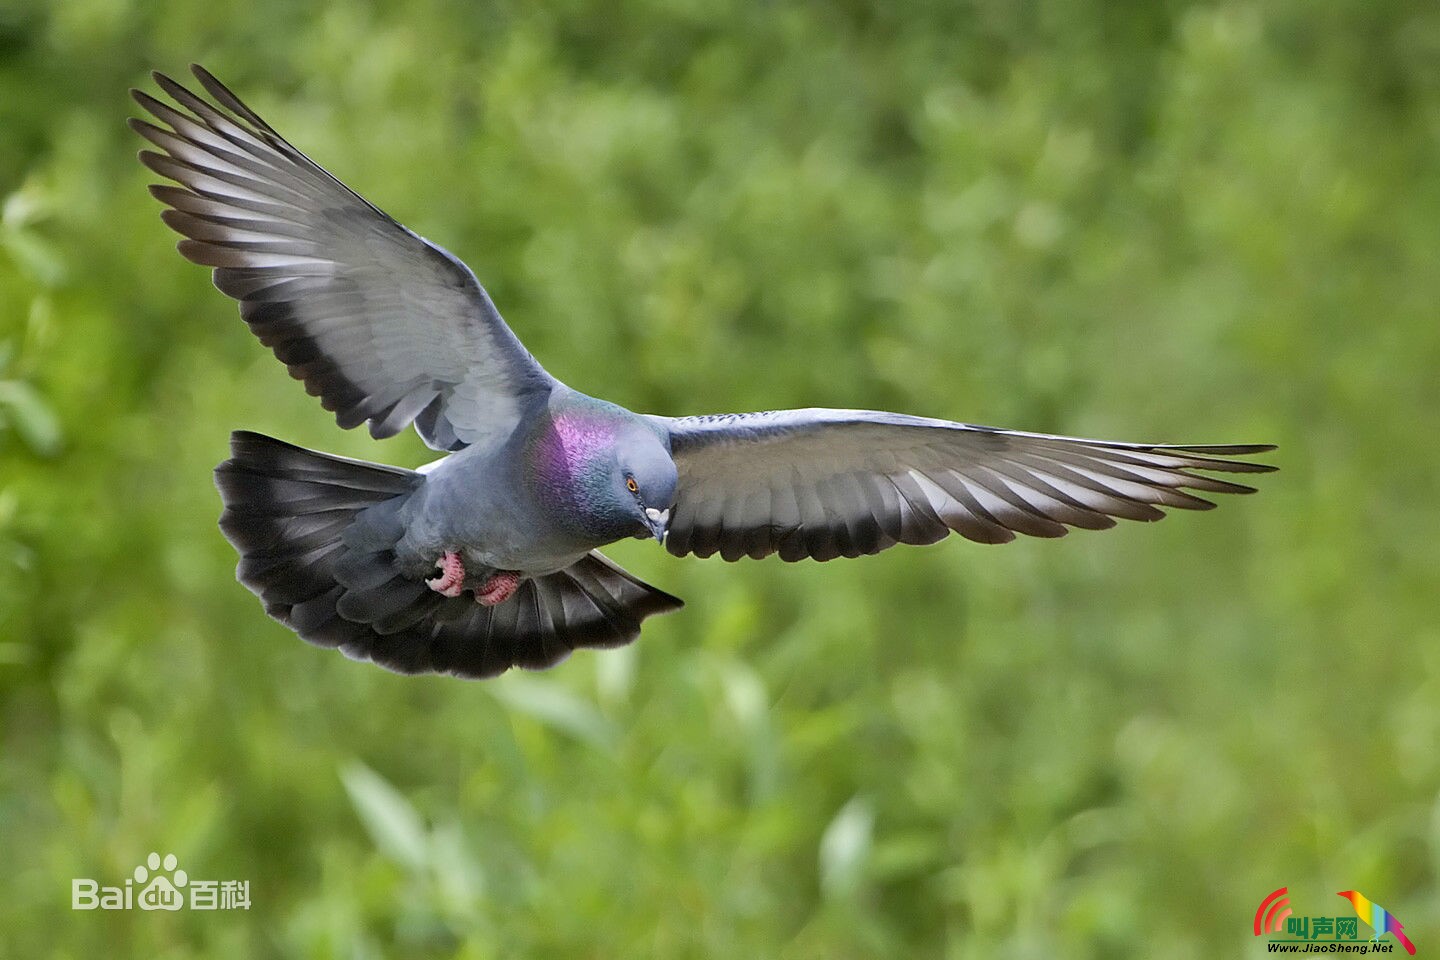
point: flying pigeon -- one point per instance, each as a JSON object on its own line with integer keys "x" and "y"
{"x": 489, "y": 557}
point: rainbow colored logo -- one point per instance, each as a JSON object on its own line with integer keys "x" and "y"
{"x": 1382, "y": 921}
{"x": 1296, "y": 934}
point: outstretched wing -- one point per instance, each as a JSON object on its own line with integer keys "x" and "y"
{"x": 379, "y": 323}
{"x": 832, "y": 483}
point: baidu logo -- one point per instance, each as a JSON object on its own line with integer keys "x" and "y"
{"x": 159, "y": 884}
{"x": 162, "y": 893}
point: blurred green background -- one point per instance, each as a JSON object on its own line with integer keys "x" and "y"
{"x": 1147, "y": 220}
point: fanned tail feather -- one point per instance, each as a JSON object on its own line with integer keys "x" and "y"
{"x": 316, "y": 536}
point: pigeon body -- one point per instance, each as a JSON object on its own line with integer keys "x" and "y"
{"x": 545, "y": 497}
{"x": 488, "y": 558}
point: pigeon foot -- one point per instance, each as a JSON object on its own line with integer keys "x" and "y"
{"x": 452, "y": 575}
{"x": 498, "y": 588}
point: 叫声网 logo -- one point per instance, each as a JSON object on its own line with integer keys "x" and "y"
{"x": 159, "y": 884}
{"x": 1328, "y": 934}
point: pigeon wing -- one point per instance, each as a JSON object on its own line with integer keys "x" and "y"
{"x": 831, "y": 483}
{"x": 382, "y": 325}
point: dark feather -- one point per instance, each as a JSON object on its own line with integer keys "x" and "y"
{"x": 317, "y": 533}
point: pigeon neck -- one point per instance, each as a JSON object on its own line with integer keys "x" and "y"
{"x": 570, "y": 459}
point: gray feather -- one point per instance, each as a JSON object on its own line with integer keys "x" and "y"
{"x": 828, "y": 483}
{"x": 379, "y": 323}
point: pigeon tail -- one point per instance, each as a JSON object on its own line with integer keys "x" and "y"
{"x": 316, "y": 535}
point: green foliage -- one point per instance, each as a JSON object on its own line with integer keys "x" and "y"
{"x": 1168, "y": 220}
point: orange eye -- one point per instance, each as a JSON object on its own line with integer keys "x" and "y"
{"x": 631, "y": 485}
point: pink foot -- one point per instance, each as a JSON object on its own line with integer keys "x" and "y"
{"x": 498, "y": 589}
{"x": 452, "y": 575}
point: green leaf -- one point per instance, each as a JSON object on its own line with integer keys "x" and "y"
{"x": 391, "y": 820}
{"x": 845, "y": 848}
{"x": 32, "y": 417}
{"x": 36, "y": 257}
{"x": 459, "y": 879}
{"x": 556, "y": 707}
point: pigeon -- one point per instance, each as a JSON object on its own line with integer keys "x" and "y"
{"x": 489, "y": 557}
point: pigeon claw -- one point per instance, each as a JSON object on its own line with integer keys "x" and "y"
{"x": 498, "y": 588}
{"x": 451, "y": 578}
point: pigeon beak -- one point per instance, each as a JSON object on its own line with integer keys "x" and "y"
{"x": 658, "y": 521}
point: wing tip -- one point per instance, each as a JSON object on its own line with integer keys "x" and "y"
{"x": 1228, "y": 449}
{"x": 158, "y": 164}
{"x": 197, "y": 251}
{"x": 167, "y": 83}
{"x": 207, "y": 80}
{"x": 1207, "y": 456}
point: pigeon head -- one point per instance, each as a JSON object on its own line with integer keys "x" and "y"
{"x": 648, "y": 478}
{"x": 605, "y": 473}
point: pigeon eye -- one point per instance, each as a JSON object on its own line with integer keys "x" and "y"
{"x": 631, "y": 485}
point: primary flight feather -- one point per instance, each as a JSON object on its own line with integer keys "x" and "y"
{"x": 489, "y": 558}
